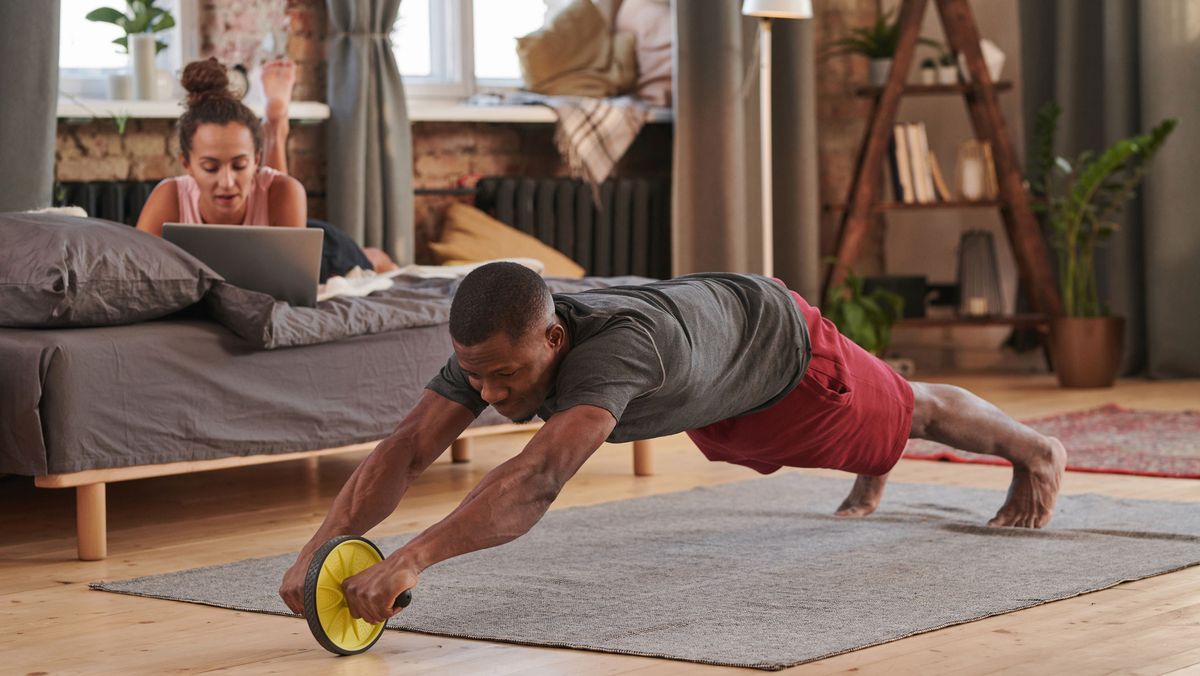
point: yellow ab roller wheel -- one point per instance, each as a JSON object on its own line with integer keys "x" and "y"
{"x": 324, "y": 604}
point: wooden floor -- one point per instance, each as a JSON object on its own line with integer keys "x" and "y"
{"x": 51, "y": 623}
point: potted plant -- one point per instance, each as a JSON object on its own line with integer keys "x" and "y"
{"x": 140, "y": 24}
{"x": 947, "y": 71}
{"x": 1078, "y": 202}
{"x": 877, "y": 42}
{"x": 864, "y": 317}
{"x": 928, "y": 71}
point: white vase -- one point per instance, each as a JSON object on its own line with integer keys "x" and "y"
{"x": 118, "y": 86}
{"x": 880, "y": 69}
{"x": 992, "y": 57}
{"x": 928, "y": 76}
{"x": 141, "y": 64}
{"x": 947, "y": 75}
{"x": 972, "y": 179}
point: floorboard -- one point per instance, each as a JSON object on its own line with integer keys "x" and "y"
{"x": 53, "y": 624}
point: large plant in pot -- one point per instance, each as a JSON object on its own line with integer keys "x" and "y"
{"x": 1079, "y": 201}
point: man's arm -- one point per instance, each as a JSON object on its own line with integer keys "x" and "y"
{"x": 505, "y": 505}
{"x": 376, "y": 486}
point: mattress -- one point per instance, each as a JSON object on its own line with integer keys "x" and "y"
{"x": 186, "y": 388}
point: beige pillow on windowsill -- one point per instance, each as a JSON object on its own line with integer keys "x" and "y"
{"x": 471, "y": 236}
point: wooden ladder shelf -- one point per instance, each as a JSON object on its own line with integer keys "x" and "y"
{"x": 1029, "y": 248}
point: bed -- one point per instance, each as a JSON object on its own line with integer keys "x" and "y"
{"x": 83, "y": 407}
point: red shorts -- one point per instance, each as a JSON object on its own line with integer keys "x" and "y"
{"x": 849, "y": 412}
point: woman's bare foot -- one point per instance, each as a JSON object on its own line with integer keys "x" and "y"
{"x": 278, "y": 78}
{"x": 380, "y": 261}
{"x": 864, "y": 496}
{"x": 1034, "y": 488}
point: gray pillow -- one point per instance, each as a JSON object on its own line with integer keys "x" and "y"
{"x": 60, "y": 271}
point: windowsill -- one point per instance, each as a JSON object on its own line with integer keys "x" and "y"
{"x": 419, "y": 110}
{"x": 86, "y": 109}
{"x": 454, "y": 110}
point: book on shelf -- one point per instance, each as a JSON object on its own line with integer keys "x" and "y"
{"x": 918, "y": 147}
{"x": 991, "y": 185}
{"x": 939, "y": 179}
{"x": 902, "y": 166}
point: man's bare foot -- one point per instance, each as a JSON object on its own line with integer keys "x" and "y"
{"x": 864, "y": 496}
{"x": 1034, "y": 488}
{"x": 278, "y": 78}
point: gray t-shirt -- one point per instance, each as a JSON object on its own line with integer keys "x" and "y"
{"x": 669, "y": 356}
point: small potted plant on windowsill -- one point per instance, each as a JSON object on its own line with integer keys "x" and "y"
{"x": 1078, "y": 202}
{"x": 877, "y": 42}
{"x": 140, "y": 24}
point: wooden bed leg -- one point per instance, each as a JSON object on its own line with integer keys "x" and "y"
{"x": 91, "y": 527}
{"x": 460, "y": 450}
{"x": 643, "y": 459}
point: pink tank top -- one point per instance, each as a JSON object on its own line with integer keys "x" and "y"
{"x": 256, "y": 204}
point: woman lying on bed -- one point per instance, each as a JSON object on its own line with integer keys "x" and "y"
{"x": 221, "y": 143}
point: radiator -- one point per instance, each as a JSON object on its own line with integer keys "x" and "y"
{"x": 119, "y": 201}
{"x": 626, "y": 233}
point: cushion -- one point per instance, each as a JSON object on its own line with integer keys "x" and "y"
{"x": 577, "y": 55}
{"x": 471, "y": 236}
{"x": 650, "y": 22}
{"x": 63, "y": 271}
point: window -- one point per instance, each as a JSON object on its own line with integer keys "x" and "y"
{"x": 87, "y": 56}
{"x": 454, "y": 48}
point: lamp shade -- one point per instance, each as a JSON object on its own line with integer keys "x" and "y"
{"x": 778, "y": 9}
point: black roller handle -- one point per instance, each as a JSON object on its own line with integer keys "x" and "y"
{"x": 403, "y": 600}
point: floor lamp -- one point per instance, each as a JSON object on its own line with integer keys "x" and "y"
{"x": 766, "y": 10}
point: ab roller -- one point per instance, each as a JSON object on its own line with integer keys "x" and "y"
{"x": 324, "y": 603}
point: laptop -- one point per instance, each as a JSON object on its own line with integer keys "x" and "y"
{"x": 282, "y": 262}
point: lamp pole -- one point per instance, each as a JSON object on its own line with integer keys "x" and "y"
{"x": 764, "y": 113}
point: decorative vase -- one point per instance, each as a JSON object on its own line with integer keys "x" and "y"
{"x": 118, "y": 86}
{"x": 947, "y": 75}
{"x": 141, "y": 63}
{"x": 992, "y": 57}
{"x": 929, "y": 76}
{"x": 1087, "y": 350}
{"x": 880, "y": 68}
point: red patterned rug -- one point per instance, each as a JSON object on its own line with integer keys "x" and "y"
{"x": 1110, "y": 439}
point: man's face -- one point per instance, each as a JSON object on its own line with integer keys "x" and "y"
{"x": 514, "y": 376}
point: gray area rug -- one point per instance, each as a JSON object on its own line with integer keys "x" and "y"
{"x": 753, "y": 574}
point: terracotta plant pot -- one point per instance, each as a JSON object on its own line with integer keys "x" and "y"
{"x": 1087, "y": 350}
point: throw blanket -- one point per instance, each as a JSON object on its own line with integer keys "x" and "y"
{"x": 592, "y": 134}
{"x": 410, "y": 302}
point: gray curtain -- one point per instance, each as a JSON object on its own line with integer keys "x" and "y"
{"x": 29, "y": 52}
{"x": 369, "y": 141}
{"x": 1117, "y": 68}
{"x": 716, "y": 210}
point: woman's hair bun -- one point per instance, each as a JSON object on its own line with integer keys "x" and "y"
{"x": 205, "y": 79}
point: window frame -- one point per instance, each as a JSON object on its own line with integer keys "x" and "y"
{"x": 452, "y": 57}
{"x": 183, "y": 46}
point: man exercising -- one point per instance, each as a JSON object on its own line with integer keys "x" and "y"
{"x": 747, "y": 368}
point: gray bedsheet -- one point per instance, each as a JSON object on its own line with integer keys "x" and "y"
{"x": 269, "y": 324}
{"x": 190, "y": 389}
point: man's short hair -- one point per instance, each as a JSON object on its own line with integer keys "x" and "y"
{"x": 498, "y": 297}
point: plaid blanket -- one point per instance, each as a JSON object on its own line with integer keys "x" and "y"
{"x": 592, "y": 134}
